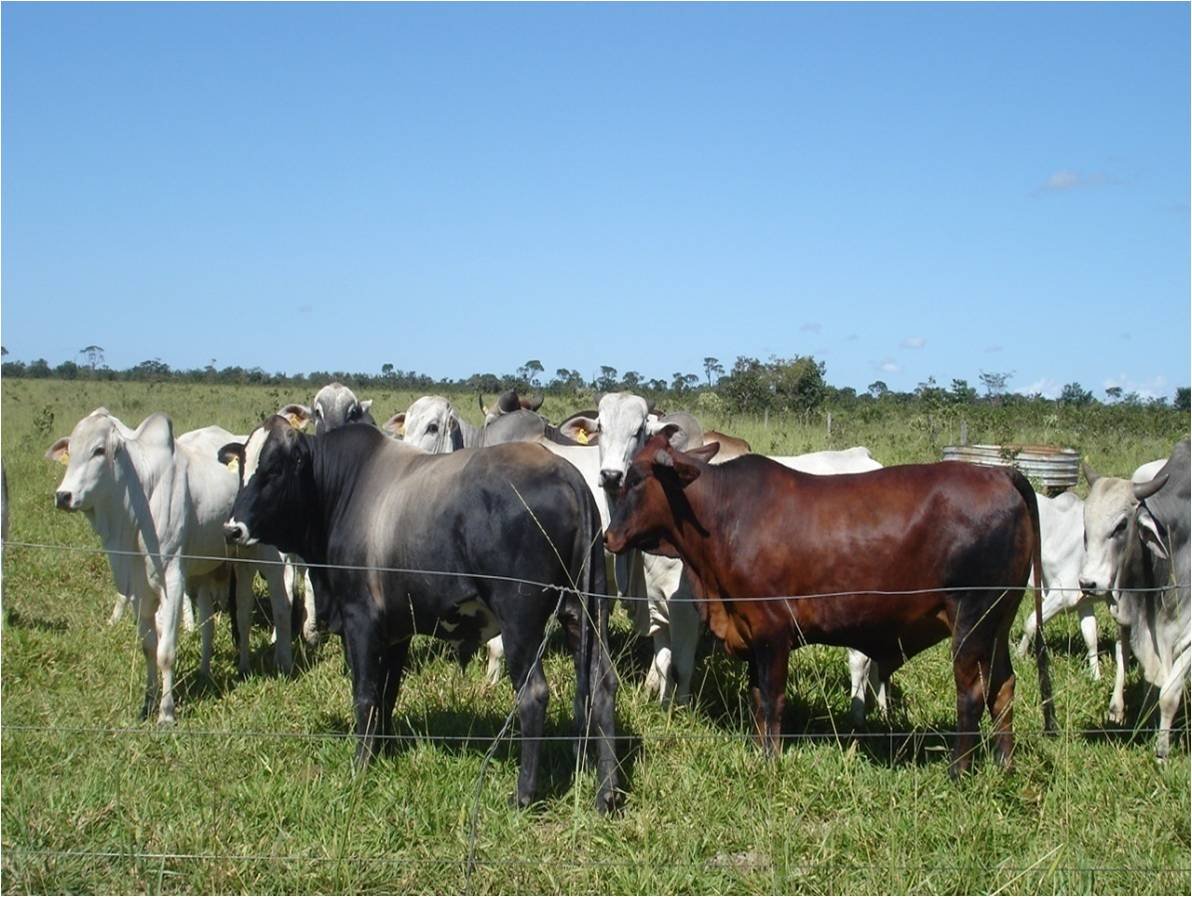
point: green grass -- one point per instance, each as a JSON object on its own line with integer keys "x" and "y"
{"x": 253, "y": 789}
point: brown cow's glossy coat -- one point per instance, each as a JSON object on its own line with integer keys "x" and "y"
{"x": 751, "y": 529}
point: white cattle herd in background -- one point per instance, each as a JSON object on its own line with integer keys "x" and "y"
{"x": 159, "y": 504}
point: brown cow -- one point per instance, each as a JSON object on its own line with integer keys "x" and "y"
{"x": 957, "y": 538}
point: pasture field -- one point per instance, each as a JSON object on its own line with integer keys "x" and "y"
{"x": 253, "y": 790}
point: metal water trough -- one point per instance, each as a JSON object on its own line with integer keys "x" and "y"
{"x": 1055, "y": 467}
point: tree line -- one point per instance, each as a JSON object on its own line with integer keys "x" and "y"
{"x": 778, "y": 385}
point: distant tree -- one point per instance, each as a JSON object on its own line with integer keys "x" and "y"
{"x": 962, "y": 393}
{"x": 387, "y": 371}
{"x": 632, "y": 380}
{"x": 656, "y": 385}
{"x": 713, "y": 366}
{"x": 1114, "y": 393}
{"x": 3, "y": 351}
{"x": 607, "y": 381}
{"x": 1075, "y": 394}
{"x": 877, "y": 389}
{"x": 39, "y": 367}
{"x": 995, "y": 382}
{"x": 1183, "y": 402}
{"x": 93, "y": 355}
{"x": 528, "y": 372}
{"x": 68, "y": 370}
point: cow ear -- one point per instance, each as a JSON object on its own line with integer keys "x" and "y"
{"x": 298, "y": 415}
{"x": 365, "y": 405}
{"x": 667, "y": 432}
{"x": 583, "y": 430}
{"x": 508, "y": 401}
{"x": 59, "y": 451}
{"x": 457, "y": 435}
{"x": 684, "y": 469}
{"x": 1089, "y": 473}
{"x": 533, "y": 404}
{"x": 231, "y": 455}
{"x": 1151, "y": 533}
{"x": 705, "y": 452}
{"x": 396, "y": 425}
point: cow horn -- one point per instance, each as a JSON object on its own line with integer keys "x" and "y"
{"x": 1089, "y": 474}
{"x": 480, "y": 402}
{"x": 1143, "y": 491}
{"x": 533, "y": 404}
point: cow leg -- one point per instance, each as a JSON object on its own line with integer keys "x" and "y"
{"x": 684, "y": 638}
{"x": 310, "y": 626}
{"x": 206, "y": 621}
{"x": 168, "y": 614}
{"x": 768, "y": 670}
{"x": 245, "y": 602}
{"x": 496, "y": 657}
{"x": 603, "y": 679}
{"x": 859, "y": 673}
{"x": 365, "y": 658}
{"x": 1088, "y": 629}
{"x": 658, "y": 680}
{"x": 1000, "y": 700}
{"x": 393, "y": 668}
{"x": 279, "y": 599}
{"x": 147, "y": 628}
{"x": 118, "y": 609}
{"x": 1170, "y": 696}
{"x": 971, "y": 673}
{"x": 1121, "y": 654}
{"x": 529, "y": 683}
{"x": 1053, "y": 602}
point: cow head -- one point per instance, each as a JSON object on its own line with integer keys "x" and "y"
{"x": 432, "y": 424}
{"x": 275, "y": 480}
{"x": 335, "y": 405}
{"x": 625, "y": 424}
{"x": 650, "y": 508}
{"x": 507, "y": 402}
{"x": 96, "y": 458}
{"x": 1108, "y": 511}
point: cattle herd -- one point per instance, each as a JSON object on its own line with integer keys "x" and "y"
{"x": 481, "y": 535}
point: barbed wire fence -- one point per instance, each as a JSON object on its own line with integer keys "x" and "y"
{"x": 472, "y": 862}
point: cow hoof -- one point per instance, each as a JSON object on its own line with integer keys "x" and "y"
{"x": 1117, "y": 717}
{"x": 607, "y": 803}
{"x": 521, "y": 801}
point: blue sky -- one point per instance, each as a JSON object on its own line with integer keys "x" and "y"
{"x": 899, "y": 190}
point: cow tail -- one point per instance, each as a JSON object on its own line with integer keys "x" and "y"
{"x": 1041, "y": 660}
{"x": 593, "y": 624}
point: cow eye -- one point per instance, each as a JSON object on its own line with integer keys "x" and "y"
{"x": 99, "y": 452}
{"x": 1120, "y": 528}
{"x": 353, "y": 412}
{"x": 432, "y": 428}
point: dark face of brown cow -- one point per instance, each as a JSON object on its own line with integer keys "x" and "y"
{"x": 650, "y": 506}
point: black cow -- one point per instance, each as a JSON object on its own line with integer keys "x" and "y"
{"x": 491, "y": 518}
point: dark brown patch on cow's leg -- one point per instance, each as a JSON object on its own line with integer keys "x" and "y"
{"x": 971, "y": 683}
{"x": 1001, "y": 702}
{"x": 771, "y": 662}
{"x": 391, "y": 673}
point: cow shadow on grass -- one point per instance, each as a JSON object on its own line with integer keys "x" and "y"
{"x": 18, "y": 620}
{"x": 1141, "y": 725}
{"x": 459, "y": 732}
{"x": 819, "y": 714}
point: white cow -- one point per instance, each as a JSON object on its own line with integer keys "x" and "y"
{"x": 1061, "y": 525}
{"x": 1110, "y": 506}
{"x": 158, "y": 505}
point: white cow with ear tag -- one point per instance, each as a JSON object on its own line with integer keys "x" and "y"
{"x": 158, "y": 505}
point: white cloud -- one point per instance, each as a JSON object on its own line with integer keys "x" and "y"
{"x": 889, "y": 366}
{"x": 914, "y": 342}
{"x": 1065, "y": 179}
{"x": 1147, "y": 389}
{"x": 812, "y": 327}
{"x": 1044, "y": 386}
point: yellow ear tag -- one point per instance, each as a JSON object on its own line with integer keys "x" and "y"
{"x": 581, "y": 437}
{"x": 233, "y": 463}
{"x": 295, "y": 421}
{"x": 64, "y": 458}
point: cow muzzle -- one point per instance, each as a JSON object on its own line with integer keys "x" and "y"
{"x": 610, "y": 479}
{"x": 63, "y": 500}
{"x": 236, "y": 533}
